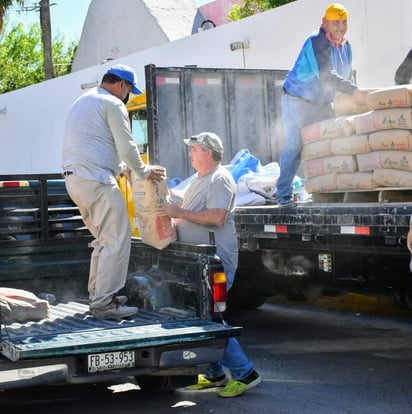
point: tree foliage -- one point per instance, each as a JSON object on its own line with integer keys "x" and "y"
{"x": 21, "y": 57}
{"x": 252, "y": 7}
{"x": 6, "y": 4}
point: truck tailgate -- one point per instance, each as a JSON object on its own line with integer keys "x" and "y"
{"x": 72, "y": 330}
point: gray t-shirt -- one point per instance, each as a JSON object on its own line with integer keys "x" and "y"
{"x": 214, "y": 190}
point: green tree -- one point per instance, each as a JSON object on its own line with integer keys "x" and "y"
{"x": 252, "y": 7}
{"x": 4, "y": 5}
{"x": 45, "y": 23}
{"x": 22, "y": 59}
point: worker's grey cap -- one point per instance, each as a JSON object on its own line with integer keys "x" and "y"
{"x": 207, "y": 139}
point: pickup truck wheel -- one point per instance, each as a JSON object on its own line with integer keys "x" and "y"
{"x": 153, "y": 384}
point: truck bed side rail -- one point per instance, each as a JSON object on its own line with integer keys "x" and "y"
{"x": 37, "y": 208}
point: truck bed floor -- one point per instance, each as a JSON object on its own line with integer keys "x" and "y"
{"x": 72, "y": 330}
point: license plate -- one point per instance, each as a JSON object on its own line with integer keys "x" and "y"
{"x": 110, "y": 360}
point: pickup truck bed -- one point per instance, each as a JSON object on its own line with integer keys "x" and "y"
{"x": 72, "y": 346}
{"x": 72, "y": 330}
{"x": 173, "y": 332}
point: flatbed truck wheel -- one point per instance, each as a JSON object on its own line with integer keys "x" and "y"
{"x": 154, "y": 384}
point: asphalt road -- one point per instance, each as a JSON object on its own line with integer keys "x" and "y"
{"x": 312, "y": 361}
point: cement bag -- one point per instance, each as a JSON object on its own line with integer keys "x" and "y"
{"x": 155, "y": 230}
{"x": 317, "y": 149}
{"x": 353, "y": 145}
{"x": 17, "y": 305}
{"x": 394, "y": 139}
{"x": 398, "y": 160}
{"x": 392, "y": 178}
{"x": 344, "y": 104}
{"x": 391, "y": 97}
{"x": 369, "y": 161}
{"x": 381, "y": 119}
{"x": 321, "y": 183}
{"x": 355, "y": 181}
{"x": 327, "y": 165}
{"x": 330, "y": 128}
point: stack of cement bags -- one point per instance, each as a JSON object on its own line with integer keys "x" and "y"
{"x": 361, "y": 150}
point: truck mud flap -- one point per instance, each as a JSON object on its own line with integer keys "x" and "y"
{"x": 72, "y": 330}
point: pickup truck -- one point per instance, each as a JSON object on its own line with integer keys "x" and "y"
{"x": 180, "y": 292}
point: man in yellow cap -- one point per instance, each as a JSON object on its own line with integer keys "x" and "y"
{"x": 322, "y": 69}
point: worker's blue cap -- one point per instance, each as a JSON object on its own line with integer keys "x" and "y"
{"x": 128, "y": 74}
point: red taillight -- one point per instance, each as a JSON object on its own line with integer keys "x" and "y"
{"x": 13, "y": 184}
{"x": 218, "y": 282}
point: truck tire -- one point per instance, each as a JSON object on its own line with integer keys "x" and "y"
{"x": 402, "y": 299}
{"x": 305, "y": 292}
{"x": 155, "y": 385}
{"x": 244, "y": 299}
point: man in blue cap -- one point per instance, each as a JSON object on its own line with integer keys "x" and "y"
{"x": 127, "y": 74}
{"x": 97, "y": 142}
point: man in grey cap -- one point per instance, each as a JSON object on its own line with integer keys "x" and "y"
{"x": 208, "y": 204}
{"x": 97, "y": 142}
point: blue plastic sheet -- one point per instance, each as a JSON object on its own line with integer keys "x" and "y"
{"x": 242, "y": 163}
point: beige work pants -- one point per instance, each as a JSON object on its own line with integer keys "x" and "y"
{"x": 103, "y": 211}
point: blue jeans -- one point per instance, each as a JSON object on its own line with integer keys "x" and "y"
{"x": 297, "y": 114}
{"x": 235, "y": 360}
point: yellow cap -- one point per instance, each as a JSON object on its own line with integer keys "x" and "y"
{"x": 336, "y": 12}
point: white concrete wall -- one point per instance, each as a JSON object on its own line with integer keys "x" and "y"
{"x": 117, "y": 28}
{"x": 32, "y": 119}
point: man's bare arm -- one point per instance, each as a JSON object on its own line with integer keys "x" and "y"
{"x": 213, "y": 217}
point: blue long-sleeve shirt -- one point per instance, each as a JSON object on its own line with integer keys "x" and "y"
{"x": 321, "y": 70}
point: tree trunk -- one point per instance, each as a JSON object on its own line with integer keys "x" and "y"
{"x": 1, "y": 18}
{"x": 4, "y": 5}
{"x": 46, "y": 38}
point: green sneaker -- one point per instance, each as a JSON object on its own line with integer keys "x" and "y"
{"x": 238, "y": 387}
{"x": 203, "y": 382}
